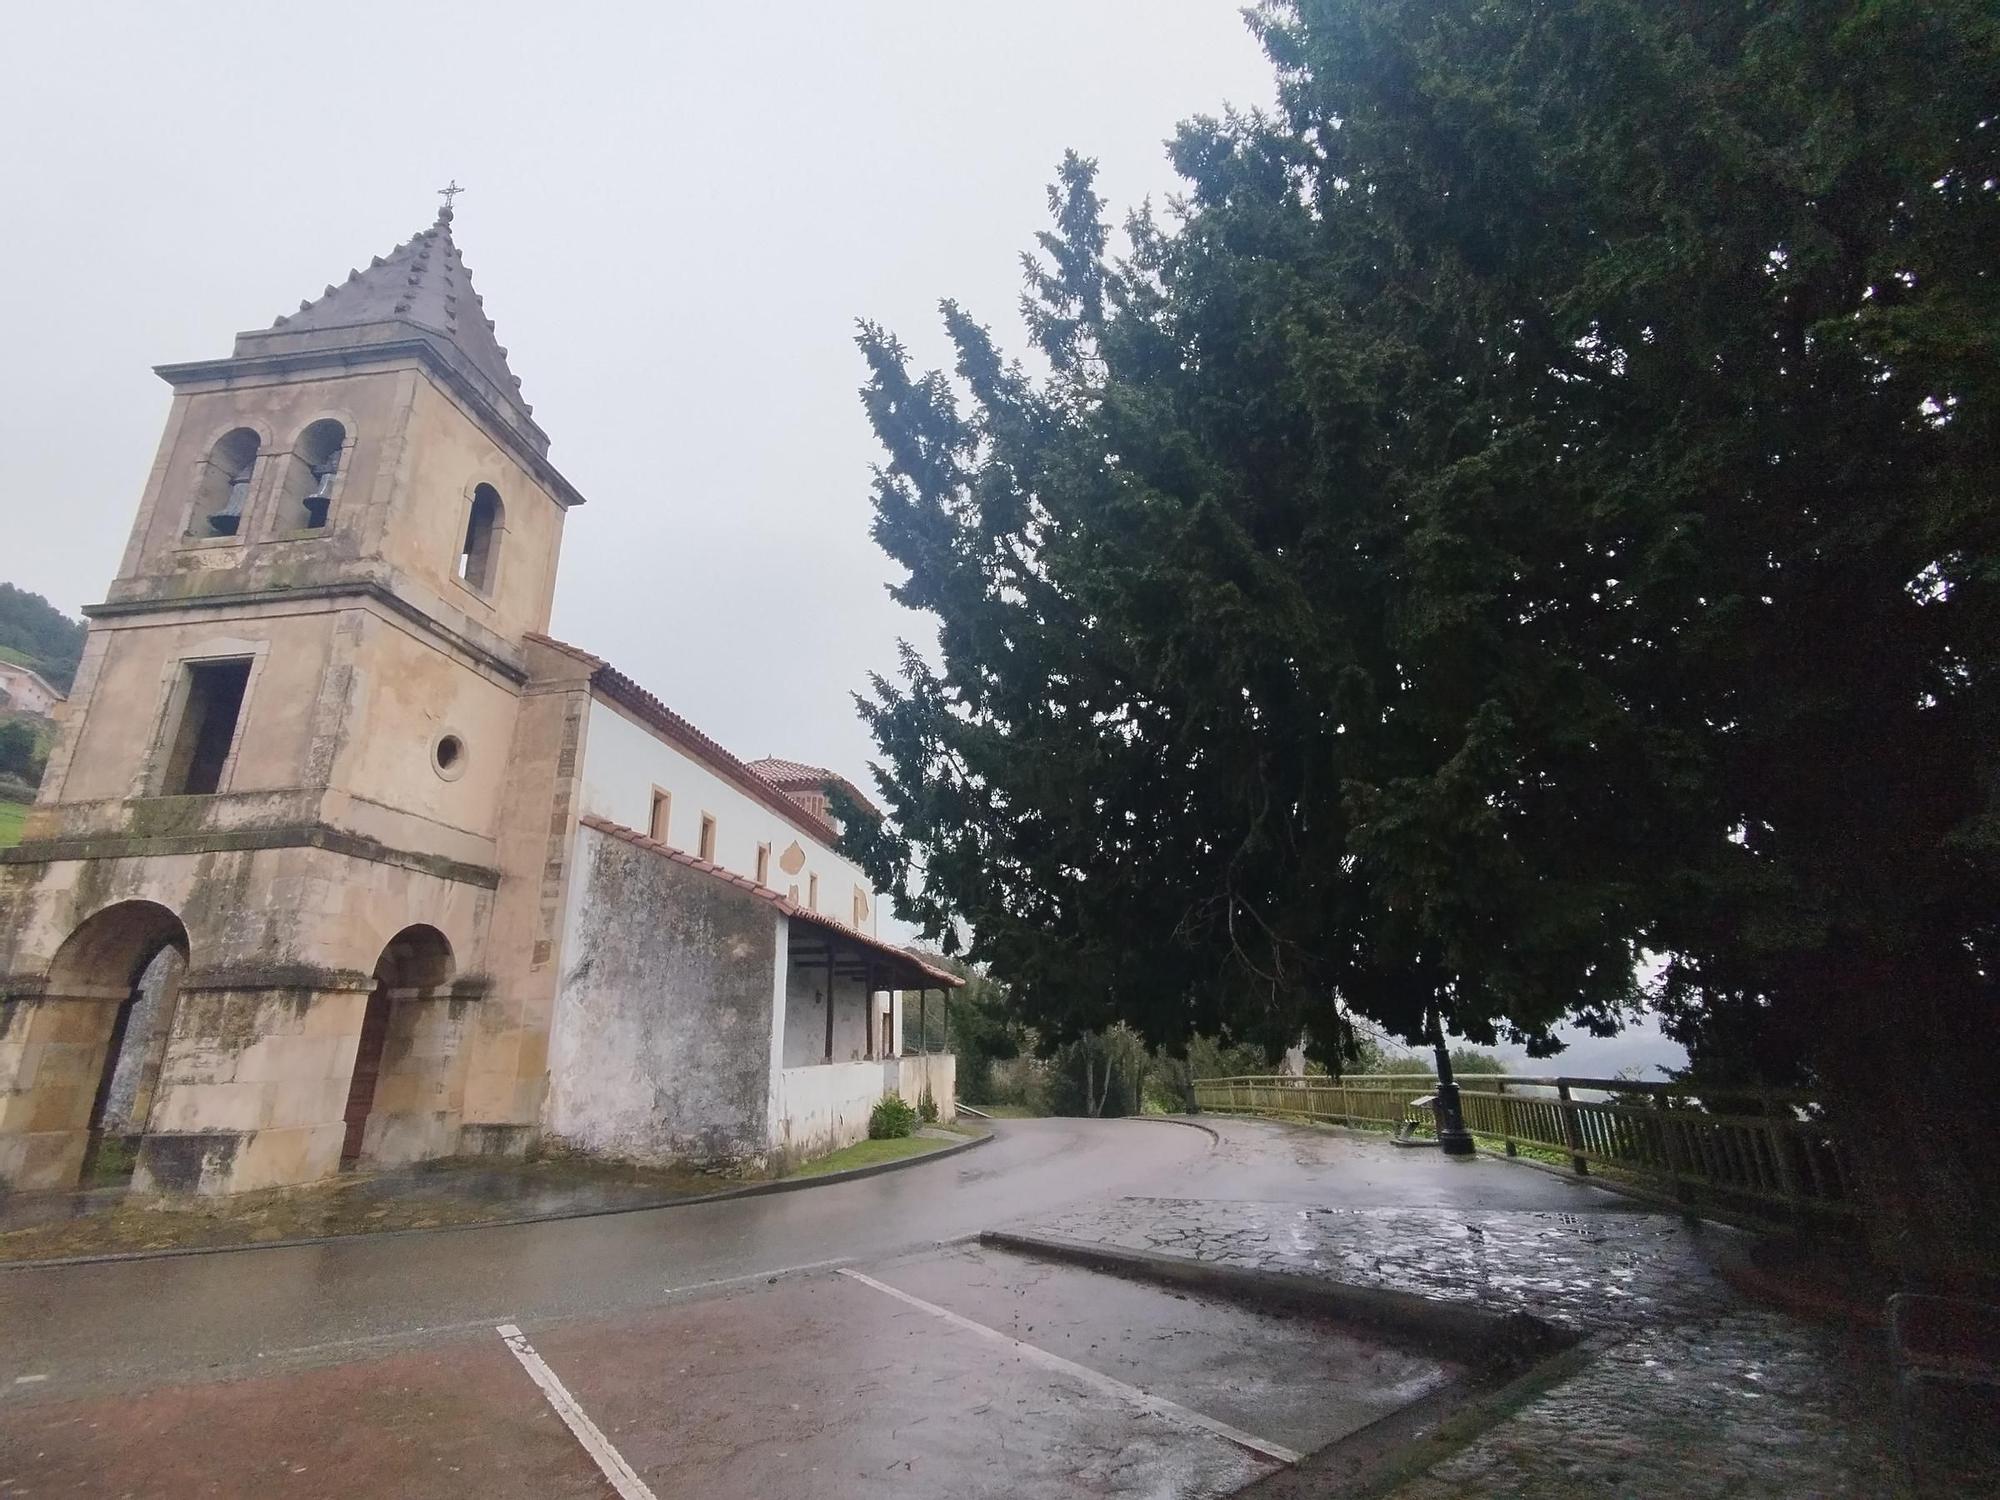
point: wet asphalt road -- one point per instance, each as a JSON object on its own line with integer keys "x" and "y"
{"x": 819, "y": 1343}
{"x": 97, "y": 1327}
{"x": 101, "y": 1327}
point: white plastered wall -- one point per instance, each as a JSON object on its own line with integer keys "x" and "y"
{"x": 625, "y": 760}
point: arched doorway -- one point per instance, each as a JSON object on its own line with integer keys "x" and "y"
{"x": 101, "y": 1024}
{"x": 131, "y": 1073}
{"x": 415, "y": 966}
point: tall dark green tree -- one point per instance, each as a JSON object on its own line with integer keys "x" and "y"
{"x": 1533, "y": 503}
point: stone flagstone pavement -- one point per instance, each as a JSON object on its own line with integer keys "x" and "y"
{"x": 1706, "y": 1395}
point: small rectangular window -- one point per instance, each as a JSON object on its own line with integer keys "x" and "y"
{"x": 209, "y": 711}
{"x": 707, "y": 849}
{"x": 763, "y": 864}
{"x": 860, "y": 907}
{"x": 812, "y": 893}
{"x": 663, "y": 806}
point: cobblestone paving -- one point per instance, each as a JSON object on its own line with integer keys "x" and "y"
{"x": 1706, "y": 1396}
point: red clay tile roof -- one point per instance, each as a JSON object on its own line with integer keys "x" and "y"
{"x": 797, "y": 776}
{"x": 791, "y": 909}
{"x": 789, "y": 772}
{"x": 625, "y": 692}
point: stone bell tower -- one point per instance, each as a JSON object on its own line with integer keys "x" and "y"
{"x": 257, "y": 888}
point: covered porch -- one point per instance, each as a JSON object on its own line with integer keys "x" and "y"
{"x": 841, "y": 1042}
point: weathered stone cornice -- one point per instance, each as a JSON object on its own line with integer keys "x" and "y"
{"x": 232, "y": 840}
{"x": 369, "y": 588}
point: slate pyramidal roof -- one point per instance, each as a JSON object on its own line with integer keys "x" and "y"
{"x": 419, "y": 295}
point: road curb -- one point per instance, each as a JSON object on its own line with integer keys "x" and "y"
{"x": 1461, "y": 1330}
{"x": 1378, "y": 1460}
{"x": 748, "y": 1190}
{"x": 1214, "y": 1135}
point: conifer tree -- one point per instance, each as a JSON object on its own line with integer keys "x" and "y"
{"x": 1531, "y": 503}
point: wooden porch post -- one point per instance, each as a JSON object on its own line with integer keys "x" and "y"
{"x": 829, "y": 999}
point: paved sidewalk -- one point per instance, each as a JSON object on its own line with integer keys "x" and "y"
{"x": 1706, "y": 1396}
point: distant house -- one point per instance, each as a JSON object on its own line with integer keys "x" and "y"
{"x": 26, "y": 690}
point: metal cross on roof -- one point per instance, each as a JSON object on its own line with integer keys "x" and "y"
{"x": 450, "y": 191}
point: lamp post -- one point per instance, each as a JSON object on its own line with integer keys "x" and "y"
{"x": 1453, "y": 1138}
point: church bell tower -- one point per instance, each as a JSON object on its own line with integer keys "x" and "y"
{"x": 282, "y": 775}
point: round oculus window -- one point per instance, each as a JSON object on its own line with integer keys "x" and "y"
{"x": 448, "y": 757}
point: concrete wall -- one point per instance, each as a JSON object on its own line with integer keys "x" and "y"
{"x": 826, "y": 1107}
{"x": 627, "y": 760}
{"x": 939, "y": 1071}
{"x": 661, "y": 1043}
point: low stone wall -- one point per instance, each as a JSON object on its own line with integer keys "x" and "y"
{"x": 938, "y": 1070}
{"x": 825, "y": 1107}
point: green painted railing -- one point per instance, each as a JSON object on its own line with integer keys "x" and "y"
{"x": 1660, "y": 1132}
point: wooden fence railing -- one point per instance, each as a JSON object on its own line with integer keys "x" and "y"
{"x": 1662, "y": 1132}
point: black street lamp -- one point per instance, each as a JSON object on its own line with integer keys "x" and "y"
{"x": 1453, "y": 1138}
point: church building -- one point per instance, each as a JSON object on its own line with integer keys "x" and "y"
{"x": 341, "y": 859}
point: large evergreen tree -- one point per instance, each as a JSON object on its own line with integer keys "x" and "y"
{"x": 1534, "y": 502}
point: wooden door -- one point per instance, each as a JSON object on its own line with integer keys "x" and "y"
{"x": 367, "y": 1064}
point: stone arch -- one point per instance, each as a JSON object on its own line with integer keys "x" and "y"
{"x": 485, "y": 529}
{"x": 313, "y": 470}
{"x": 80, "y": 1059}
{"x": 111, "y": 946}
{"x": 404, "y": 1097}
{"x": 224, "y": 483}
{"x": 418, "y": 958}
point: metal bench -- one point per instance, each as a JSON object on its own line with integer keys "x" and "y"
{"x": 1417, "y": 1114}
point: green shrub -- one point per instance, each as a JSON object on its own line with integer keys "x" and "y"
{"x": 890, "y": 1118}
{"x": 927, "y": 1109}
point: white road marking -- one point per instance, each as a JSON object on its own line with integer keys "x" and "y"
{"x": 29, "y": 1379}
{"x": 628, "y": 1484}
{"x": 1173, "y": 1411}
{"x": 771, "y": 1275}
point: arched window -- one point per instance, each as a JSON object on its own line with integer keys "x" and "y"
{"x": 309, "y": 477}
{"x": 223, "y": 491}
{"x": 479, "y": 558}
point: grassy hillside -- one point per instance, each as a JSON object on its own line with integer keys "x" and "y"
{"x": 34, "y": 633}
{"x": 12, "y": 816}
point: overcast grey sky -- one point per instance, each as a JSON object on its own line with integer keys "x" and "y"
{"x": 674, "y": 212}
